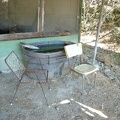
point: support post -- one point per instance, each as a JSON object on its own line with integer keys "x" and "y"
{"x": 41, "y": 12}
{"x": 38, "y": 22}
{"x": 98, "y": 32}
{"x": 79, "y": 21}
{"x": 42, "y": 16}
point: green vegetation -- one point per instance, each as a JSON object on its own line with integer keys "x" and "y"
{"x": 110, "y": 28}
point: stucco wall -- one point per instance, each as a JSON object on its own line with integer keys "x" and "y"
{"x": 18, "y": 15}
{"x": 21, "y": 15}
{"x": 61, "y": 15}
{"x": 7, "y": 46}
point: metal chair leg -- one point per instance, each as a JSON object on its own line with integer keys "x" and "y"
{"x": 83, "y": 84}
{"x": 48, "y": 81}
{"x": 42, "y": 90}
{"x": 15, "y": 92}
{"x": 95, "y": 79}
{"x": 87, "y": 79}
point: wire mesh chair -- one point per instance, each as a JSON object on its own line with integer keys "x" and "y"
{"x": 19, "y": 70}
{"x": 83, "y": 69}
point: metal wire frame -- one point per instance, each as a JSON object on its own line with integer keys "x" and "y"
{"x": 39, "y": 61}
{"x": 19, "y": 70}
{"x": 43, "y": 70}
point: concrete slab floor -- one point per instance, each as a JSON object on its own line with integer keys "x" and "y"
{"x": 65, "y": 99}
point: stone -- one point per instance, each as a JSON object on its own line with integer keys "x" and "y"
{"x": 118, "y": 115}
{"x": 107, "y": 72}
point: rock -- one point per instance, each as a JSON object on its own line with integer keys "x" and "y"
{"x": 118, "y": 115}
{"x": 107, "y": 72}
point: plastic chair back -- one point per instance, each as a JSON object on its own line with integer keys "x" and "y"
{"x": 73, "y": 50}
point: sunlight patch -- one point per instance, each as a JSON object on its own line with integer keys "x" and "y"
{"x": 92, "y": 110}
{"x": 65, "y": 102}
{"x": 3, "y": 1}
{"x": 90, "y": 114}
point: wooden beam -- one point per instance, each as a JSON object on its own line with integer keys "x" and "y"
{"x": 17, "y": 36}
{"x": 38, "y": 20}
{"x": 42, "y": 16}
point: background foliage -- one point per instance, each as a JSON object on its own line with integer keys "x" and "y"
{"x": 110, "y": 29}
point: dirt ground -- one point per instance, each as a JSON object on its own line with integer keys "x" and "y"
{"x": 65, "y": 99}
{"x": 103, "y": 43}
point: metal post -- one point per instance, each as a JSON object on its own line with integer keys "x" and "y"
{"x": 42, "y": 12}
{"x": 98, "y": 32}
{"x": 79, "y": 21}
{"x": 38, "y": 22}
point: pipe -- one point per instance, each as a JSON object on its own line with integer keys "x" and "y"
{"x": 38, "y": 22}
{"x": 42, "y": 15}
{"x": 98, "y": 32}
{"x": 79, "y": 21}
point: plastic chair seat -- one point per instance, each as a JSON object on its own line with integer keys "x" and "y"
{"x": 75, "y": 50}
{"x": 85, "y": 69}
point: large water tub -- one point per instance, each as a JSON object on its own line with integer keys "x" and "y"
{"x": 51, "y": 54}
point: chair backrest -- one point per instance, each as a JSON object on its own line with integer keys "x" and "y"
{"x": 16, "y": 66}
{"x": 73, "y": 50}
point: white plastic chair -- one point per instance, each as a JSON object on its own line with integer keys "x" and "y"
{"x": 83, "y": 69}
